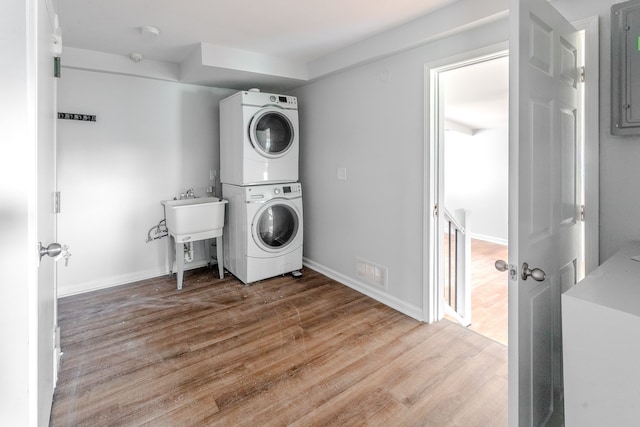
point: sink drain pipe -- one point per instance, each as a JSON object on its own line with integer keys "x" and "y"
{"x": 188, "y": 252}
{"x": 161, "y": 231}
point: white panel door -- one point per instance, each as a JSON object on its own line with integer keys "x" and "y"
{"x": 46, "y": 234}
{"x": 544, "y": 230}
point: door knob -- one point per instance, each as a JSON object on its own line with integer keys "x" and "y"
{"x": 53, "y": 250}
{"x": 537, "y": 274}
{"x": 501, "y": 265}
{"x": 56, "y": 251}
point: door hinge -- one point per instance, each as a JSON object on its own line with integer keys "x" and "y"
{"x": 435, "y": 210}
{"x": 56, "y": 202}
{"x": 582, "y": 213}
{"x": 56, "y": 67}
{"x": 582, "y": 74}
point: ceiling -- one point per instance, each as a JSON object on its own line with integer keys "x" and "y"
{"x": 477, "y": 96}
{"x": 290, "y": 32}
{"x": 288, "y": 29}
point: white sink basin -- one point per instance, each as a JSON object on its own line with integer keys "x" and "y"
{"x": 192, "y": 216}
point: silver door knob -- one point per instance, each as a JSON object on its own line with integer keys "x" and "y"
{"x": 501, "y": 265}
{"x": 537, "y": 274}
{"x": 53, "y": 250}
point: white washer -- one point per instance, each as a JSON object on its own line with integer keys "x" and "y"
{"x": 258, "y": 138}
{"x": 263, "y": 230}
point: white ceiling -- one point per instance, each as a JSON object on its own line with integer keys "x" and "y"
{"x": 285, "y": 31}
{"x": 477, "y": 96}
{"x": 300, "y": 30}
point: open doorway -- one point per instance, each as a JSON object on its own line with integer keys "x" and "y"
{"x": 468, "y": 175}
{"x": 474, "y": 106}
{"x": 523, "y": 355}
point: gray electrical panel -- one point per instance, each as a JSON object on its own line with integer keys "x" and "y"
{"x": 625, "y": 68}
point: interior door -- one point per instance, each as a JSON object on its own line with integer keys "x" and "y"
{"x": 46, "y": 222}
{"x": 544, "y": 204}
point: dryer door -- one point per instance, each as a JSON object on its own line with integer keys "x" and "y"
{"x": 271, "y": 132}
{"x": 277, "y": 225}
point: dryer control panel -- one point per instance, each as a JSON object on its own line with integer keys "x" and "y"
{"x": 261, "y": 99}
{"x": 283, "y": 100}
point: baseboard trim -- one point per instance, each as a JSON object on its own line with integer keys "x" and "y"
{"x": 110, "y": 282}
{"x": 378, "y": 295}
{"x": 386, "y": 299}
{"x": 490, "y": 239}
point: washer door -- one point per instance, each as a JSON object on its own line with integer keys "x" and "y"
{"x": 271, "y": 132}
{"x": 276, "y": 226}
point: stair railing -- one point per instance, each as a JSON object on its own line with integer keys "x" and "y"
{"x": 457, "y": 268}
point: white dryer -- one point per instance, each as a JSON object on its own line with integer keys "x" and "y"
{"x": 263, "y": 230}
{"x": 258, "y": 138}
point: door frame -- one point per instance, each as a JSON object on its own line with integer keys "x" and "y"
{"x": 25, "y": 399}
{"x": 432, "y": 307}
{"x": 433, "y": 310}
{"x": 591, "y": 128}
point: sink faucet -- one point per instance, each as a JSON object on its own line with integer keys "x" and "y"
{"x": 190, "y": 194}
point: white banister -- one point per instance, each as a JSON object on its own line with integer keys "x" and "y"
{"x": 464, "y": 267}
{"x": 448, "y": 216}
{"x": 459, "y": 265}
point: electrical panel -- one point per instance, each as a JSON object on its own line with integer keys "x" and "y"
{"x": 625, "y": 68}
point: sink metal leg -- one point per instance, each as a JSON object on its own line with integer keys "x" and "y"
{"x": 207, "y": 252}
{"x": 219, "y": 256}
{"x": 171, "y": 253}
{"x": 175, "y": 254}
{"x": 179, "y": 251}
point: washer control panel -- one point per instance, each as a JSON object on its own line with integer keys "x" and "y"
{"x": 291, "y": 189}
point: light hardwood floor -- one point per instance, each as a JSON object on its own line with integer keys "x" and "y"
{"x": 489, "y": 290}
{"x": 284, "y": 351}
{"x": 489, "y": 296}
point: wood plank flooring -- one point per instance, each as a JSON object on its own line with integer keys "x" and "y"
{"x": 489, "y": 293}
{"x": 284, "y": 351}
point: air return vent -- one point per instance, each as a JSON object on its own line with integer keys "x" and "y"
{"x": 371, "y": 273}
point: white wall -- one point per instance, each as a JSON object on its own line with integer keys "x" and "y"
{"x": 370, "y": 120}
{"x": 17, "y": 213}
{"x": 152, "y": 141}
{"x": 619, "y": 171}
{"x": 376, "y": 132}
{"x": 477, "y": 179}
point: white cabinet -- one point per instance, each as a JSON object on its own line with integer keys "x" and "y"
{"x": 601, "y": 343}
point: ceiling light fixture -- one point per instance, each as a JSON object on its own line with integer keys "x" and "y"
{"x": 149, "y": 32}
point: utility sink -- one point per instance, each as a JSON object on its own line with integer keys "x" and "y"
{"x": 194, "y": 216}
{"x": 190, "y": 220}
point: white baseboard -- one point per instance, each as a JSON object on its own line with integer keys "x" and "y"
{"x": 377, "y": 294}
{"x": 110, "y": 282}
{"x": 491, "y": 239}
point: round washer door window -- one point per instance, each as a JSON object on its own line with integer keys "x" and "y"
{"x": 276, "y": 227}
{"x": 271, "y": 133}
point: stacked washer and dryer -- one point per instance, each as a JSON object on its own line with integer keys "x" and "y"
{"x": 259, "y": 173}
